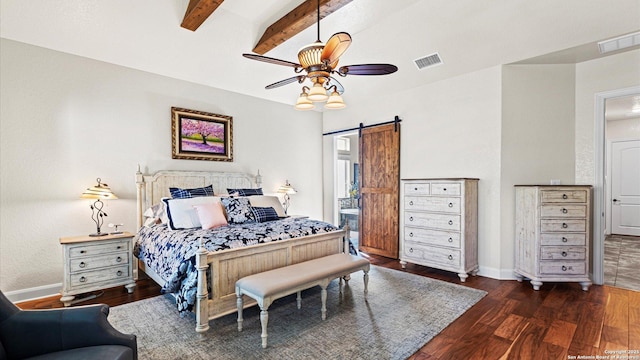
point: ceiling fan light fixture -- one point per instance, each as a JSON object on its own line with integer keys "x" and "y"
{"x": 311, "y": 54}
{"x": 317, "y": 93}
{"x": 335, "y": 101}
{"x": 303, "y": 102}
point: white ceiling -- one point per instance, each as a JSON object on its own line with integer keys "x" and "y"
{"x": 468, "y": 34}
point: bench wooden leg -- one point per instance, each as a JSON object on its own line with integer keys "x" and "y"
{"x": 366, "y": 283}
{"x": 299, "y": 300}
{"x": 323, "y": 297}
{"x": 264, "y": 319}
{"x": 240, "y": 306}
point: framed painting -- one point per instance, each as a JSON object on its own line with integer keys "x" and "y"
{"x": 198, "y": 135}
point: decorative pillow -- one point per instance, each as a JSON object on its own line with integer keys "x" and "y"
{"x": 211, "y": 215}
{"x": 238, "y": 210}
{"x": 178, "y": 193}
{"x": 262, "y": 214}
{"x": 153, "y": 215}
{"x": 268, "y": 201}
{"x": 245, "y": 192}
{"x": 181, "y": 213}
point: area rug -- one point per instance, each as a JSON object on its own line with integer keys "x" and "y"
{"x": 402, "y": 313}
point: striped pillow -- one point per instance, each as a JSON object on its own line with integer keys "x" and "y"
{"x": 178, "y": 193}
{"x": 245, "y": 192}
{"x": 263, "y": 214}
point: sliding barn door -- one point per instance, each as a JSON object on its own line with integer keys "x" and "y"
{"x": 379, "y": 190}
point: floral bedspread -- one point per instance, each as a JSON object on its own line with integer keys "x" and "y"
{"x": 171, "y": 253}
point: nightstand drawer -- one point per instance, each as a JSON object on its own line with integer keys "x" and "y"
{"x": 100, "y": 276}
{"x": 432, "y": 203}
{"x": 98, "y": 249}
{"x": 562, "y": 268}
{"x": 445, "y": 189}
{"x": 563, "y": 239}
{"x": 96, "y": 262}
{"x": 432, "y": 237}
{"x": 562, "y": 253}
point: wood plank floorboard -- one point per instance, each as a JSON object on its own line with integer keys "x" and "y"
{"x": 512, "y": 322}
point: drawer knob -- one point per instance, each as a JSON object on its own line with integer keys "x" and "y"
{"x": 444, "y": 189}
{"x": 410, "y": 202}
{"x": 450, "y": 204}
{"x": 118, "y": 259}
{"x": 119, "y": 273}
{"x": 564, "y": 211}
{"x": 564, "y": 254}
{"x": 564, "y": 225}
{"x": 410, "y": 218}
{"x": 82, "y": 251}
{"x": 564, "y": 196}
{"x": 450, "y": 257}
{"x": 410, "y": 250}
{"x": 82, "y": 264}
{"x": 564, "y": 239}
{"x": 450, "y": 222}
{"x": 416, "y": 189}
{"x": 450, "y": 240}
{"x": 83, "y": 279}
{"x": 410, "y": 234}
{"x": 119, "y": 247}
{"x": 564, "y": 268}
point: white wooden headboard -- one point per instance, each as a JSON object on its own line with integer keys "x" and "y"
{"x": 152, "y": 188}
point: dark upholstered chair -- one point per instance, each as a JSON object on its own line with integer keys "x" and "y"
{"x": 72, "y": 333}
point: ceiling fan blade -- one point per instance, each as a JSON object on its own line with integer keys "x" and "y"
{"x": 368, "y": 69}
{"x": 335, "y": 47}
{"x": 332, "y": 81}
{"x": 299, "y": 79}
{"x": 271, "y": 60}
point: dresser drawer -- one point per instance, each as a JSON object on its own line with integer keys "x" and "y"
{"x": 563, "y": 239}
{"x": 100, "y": 276}
{"x": 569, "y": 225}
{"x": 563, "y": 211}
{"x": 432, "y": 237}
{"x": 446, "y": 257}
{"x": 562, "y": 252}
{"x": 560, "y": 196}
{"x": 437, "y": 221}
{"x": 562, "y": 268}
{"x": 417, "y": 189}
{"x": 445, "y": 189}
{"x": 98, "y": 249}
{"x": 432, "y": 203}
{"x": 96, "y": 262}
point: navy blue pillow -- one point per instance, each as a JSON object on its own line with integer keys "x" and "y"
{"x": 178, "y": 193}
{"x": 245, "y": 192}
{"x": 262, "y": 214}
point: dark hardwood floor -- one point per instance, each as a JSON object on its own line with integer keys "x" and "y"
{"x": 512, "y": 322}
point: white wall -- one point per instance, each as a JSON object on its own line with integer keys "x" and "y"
{"x": 449, "y": 128}
{"x": 66, "y": 120}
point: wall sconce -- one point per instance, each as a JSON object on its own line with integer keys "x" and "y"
{"x": 99, "y": 192}
{"x": 287, "y": 190}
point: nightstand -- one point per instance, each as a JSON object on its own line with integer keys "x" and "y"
{"x": 94, "y": 263}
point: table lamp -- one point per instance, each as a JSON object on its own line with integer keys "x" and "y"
{"x": 286, "y": 189}
{"x": 98, "y": 192}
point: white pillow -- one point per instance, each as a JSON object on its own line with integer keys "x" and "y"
{"x": 267, "y": 201}
{"x": 182, "y": 214}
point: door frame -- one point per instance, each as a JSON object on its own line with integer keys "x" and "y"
{"x": 599, "y": 184}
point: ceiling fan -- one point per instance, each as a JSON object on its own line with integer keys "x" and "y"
{"x": 318, "y": 62}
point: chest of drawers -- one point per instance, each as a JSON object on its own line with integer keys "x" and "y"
{"x": 93, "y": 263}
{"x": 553, "y": 233}
{"x": 439, "y": 224}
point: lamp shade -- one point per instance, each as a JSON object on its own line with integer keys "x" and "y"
{"x": 287, "y": 189}
{"x": 317, "y": 93}
{"x": 304, "y": 103}
{"x": 335, "y": 101}
{"x": 99, "y": 191}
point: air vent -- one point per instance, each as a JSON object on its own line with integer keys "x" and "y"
{"x": 428, "y": 61}
{"x": 620, "y": 42}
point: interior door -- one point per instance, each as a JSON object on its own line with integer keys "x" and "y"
{"x": 379, "y": 190}
{"x": 625, "y": 187}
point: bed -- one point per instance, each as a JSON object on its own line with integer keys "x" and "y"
{"x": 217, "y": 271}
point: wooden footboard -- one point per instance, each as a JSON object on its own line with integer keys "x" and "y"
{"x": 226, "y": 267}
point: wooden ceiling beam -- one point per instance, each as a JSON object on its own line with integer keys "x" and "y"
{"x": 300, "y": 18}
{"x": 198, "y": 11}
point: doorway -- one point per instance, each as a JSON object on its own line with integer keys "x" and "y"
{"x": 347, "y": 192}
{"x": 616, "y": 251}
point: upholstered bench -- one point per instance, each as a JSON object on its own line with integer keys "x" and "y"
{"x": 270, "y": 285}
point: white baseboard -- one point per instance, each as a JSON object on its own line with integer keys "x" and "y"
{"x": 499, "y": 274}
{"x": 33, "y": 293}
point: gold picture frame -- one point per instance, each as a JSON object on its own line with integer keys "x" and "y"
{"x": 198, "y": 135}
